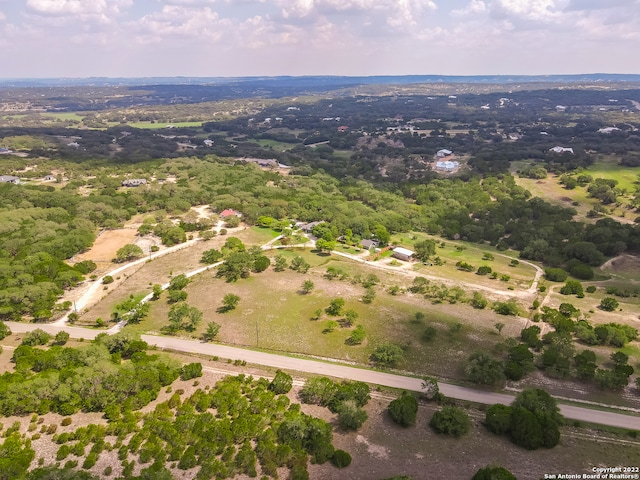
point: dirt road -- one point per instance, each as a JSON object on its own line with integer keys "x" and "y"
{"x": 340, "y": 371}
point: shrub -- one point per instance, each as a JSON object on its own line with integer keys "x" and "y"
{"x": 590, "y": 289}
{"x": 608, "y": 304}
{"x": 403, "y": 410}
{"x": 341, "y": 459}
{"x": 572, "y": 287}
{"x": 281, "y": 383}
{"x": 451, "y": 421}
{"x": 555, "y": 274}
{"x": 492, "y": 472}
{"x": 107, "y": 279}
{"x": 498, "y": 418}
{"x": 191, "y": 370}
{"x": 387, "y": 354}
{"x": 36, "y": 337}
{"x": 484, "y": 270}
{"x": 350, "y": 416}
{"x": 429, "y": 333}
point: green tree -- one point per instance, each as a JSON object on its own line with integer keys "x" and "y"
{"x": 5, "y": 331}
{"x": 478, "y": 301}
{"x": 493, "y": 472}
{"x": 498, "y": 418}
{"x": 128, "y": 252}
{"x": 404, "y": 409}
{"x": 350, "y": 317}
{"x": 211, "y": 332}
{"x": 15, "y": 457}
{"x": 179, "y": 282}
{"x": 451, "y": 421}
{"x": 585, "y": 362}
{"x": 387, "y": 355}
{"x": 483, "y": 369}
{"x": 298, "y": 264}
{"x": 280, "y": 263}
{"x": 61, "y": 338}
{"x": 608, "y": 304}
{"x": 183, "y": 317}
{"x": 357, "y": 336}
{"x": 237, "y": 265}
{"x": 230, "y": 302}
{"x": 335, "y": 307}
{"x": 36, "y": 337}
{"x": 307, "y": 286}
{"x": 424, "y": 249}
{"x": 350, "y": 416}
{"x": 190, "y": 371}
{"x": 261, "y": 263}
{"x": 211, "y": 256}
{"x": 157, "y": 291}
{"x": 173, "y": 236}
{"x": 281, "y": 383}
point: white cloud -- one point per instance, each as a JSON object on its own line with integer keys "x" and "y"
{"x": 178, "y": 21}
{"x": 533, "y": 10}
{"x": 77, "y": 7}
{"x": 2, "y": 16}
{"x": 475, "y": 7}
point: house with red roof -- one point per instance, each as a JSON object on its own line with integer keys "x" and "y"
{"x": 229, "y": 212}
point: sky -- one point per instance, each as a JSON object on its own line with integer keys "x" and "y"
{"x": 221, "y": 38}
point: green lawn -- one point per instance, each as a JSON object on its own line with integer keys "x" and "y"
{"x": 521, "y": 275}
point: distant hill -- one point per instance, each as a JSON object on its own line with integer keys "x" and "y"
{"x": 318, "y": 82}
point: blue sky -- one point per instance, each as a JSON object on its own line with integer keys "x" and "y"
{"x": 131, "y": 38}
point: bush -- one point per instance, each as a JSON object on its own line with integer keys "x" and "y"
{"x": 387, "y": 354}
{"x": 4, "y": 330}
{"x": 281, "y": 383}
{"x": 451, "y": 421}
{"x": 491, "y": 472}
{"x": 341, "y": 459}
{"x": 429, "y": 333}
{"x": 590, "y": 289}
{"x": 555, "y": 274}
{"x": 506, "y": 308}
{"x": 36, "y": 337}
{"x": 572, "y": 287}
{"x": 498, "y": 418}
{"x": 350, "y": 416}
{"x": 608, "y": 304}
{"x": 191, "y": 370}
{"x": 107, "y": 279}
{"x": 484, "y": 270}
{"x": 582, "y": 271}
{"x": 403, "y": 410}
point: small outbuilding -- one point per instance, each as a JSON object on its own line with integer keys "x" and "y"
{"x": 9, "y": 179}
{"x": 134, "y": 182}
{"x": 403, "y": 254}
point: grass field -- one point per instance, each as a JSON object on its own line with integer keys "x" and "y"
{"x": 552, "y": 191}
{"x": 273, "y": 314}
{"x": 454, "y": 251}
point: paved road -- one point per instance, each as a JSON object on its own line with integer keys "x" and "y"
{"x": 341, "y": 371}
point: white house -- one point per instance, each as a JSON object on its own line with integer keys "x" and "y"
{"x": 559, "y": 149}
{"x": 447, "y": 166}
{"x": 134, "y": 182}
{"x": 403, "y": 254}
{"x": 443, "y": 153}
{"x": 9, "y": 179}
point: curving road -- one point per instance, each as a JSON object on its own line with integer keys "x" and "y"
{"x": 341, "y": 371}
